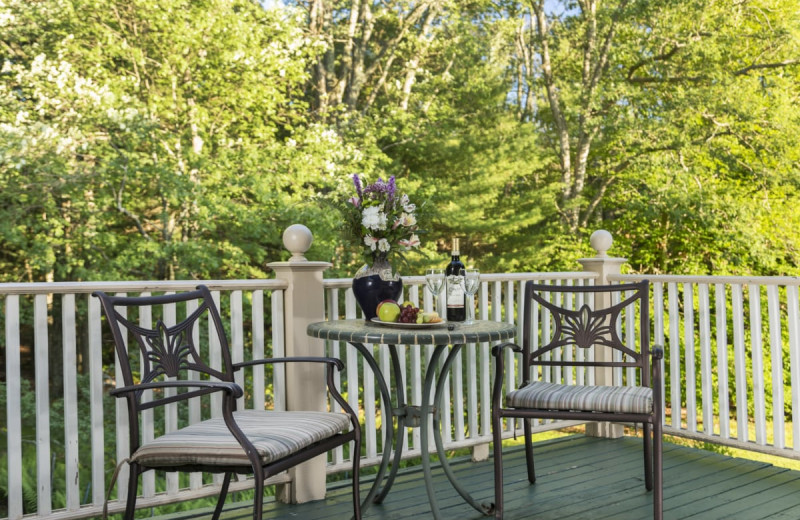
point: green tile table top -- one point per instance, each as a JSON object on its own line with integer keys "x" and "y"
{"x": 360, "y": 331}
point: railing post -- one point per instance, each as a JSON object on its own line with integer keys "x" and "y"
{"x": 304, "y": 303}
{"x": 603, "y": 265}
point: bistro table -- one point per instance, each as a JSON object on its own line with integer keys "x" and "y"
{"x": 454, "y": 335}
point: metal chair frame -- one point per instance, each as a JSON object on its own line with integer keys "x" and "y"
{"x": 168, "y": 352}
{"x": 584, "y": 327}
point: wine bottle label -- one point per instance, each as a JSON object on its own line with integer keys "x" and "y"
{"x": 455, "y": 295}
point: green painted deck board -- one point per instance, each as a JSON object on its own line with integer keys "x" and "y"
{"x": 577, "y": 477}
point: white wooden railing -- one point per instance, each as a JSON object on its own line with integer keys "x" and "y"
{"x": 53, "y": 330}
{"x": 719, "y": 332}
{"x": 72, "y": 338}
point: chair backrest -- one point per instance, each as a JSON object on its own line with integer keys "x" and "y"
{"x": 564, "y": 324}
{"x": 167, "y": 350}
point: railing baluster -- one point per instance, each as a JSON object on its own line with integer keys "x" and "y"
{"x": 688, "y": 350}
{"x": 580, "y": 353}
{"x": 96, "y": 401}
{"x": 720, "y": 302}
{"x": 278, "y": 350}
{"x": 13, "y": 407}
{"x": 352, "y": 355}
{"x": 369, "y": 408}
{"x": 486, "y": 409}
{"x": 776, "y": 355}
{"x": 121, "y": 411}
{"x": 70, "y": 359}
{"x": 793, "y": 325}
{"x": 237, "y": 340}
{"x": 195, "y": 413}
{"x": 631, "y": 334}
{"x": 706, "y": 384}
{"x": 215, "y": 359}
{"x": 257, "y": 317}
{"x": 674, "y": 357}
{"x": 658, "y": 323}
{"x": 171, "y": 410}
{"x": 739, "y": 360}
{"x": 757, "y": 360}
{"x": 43, "y": 480}
{"x": 335, "y": 351}
{"x": 148, "y": 424}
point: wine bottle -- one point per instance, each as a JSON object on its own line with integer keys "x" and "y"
{"x": 456, "y": 311}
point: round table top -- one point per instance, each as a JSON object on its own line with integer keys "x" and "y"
{"x": 452, "y": 333}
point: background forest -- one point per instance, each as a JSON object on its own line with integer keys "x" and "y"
{"x": 160, "y": 139}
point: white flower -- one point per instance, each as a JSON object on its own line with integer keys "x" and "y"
{"x": 373, "y": 218}
{"x": 407, "y": 206}
{"x": 411, "y": 242}
{"x": 383, "y": 245}
{"x": 407, "y": 220}
{"x": 371, "y": 242}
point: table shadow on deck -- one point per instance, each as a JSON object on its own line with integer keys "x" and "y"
{"x": 577, "y": 477}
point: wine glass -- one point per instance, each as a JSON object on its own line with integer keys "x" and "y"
{"x": 434, "y": 278}
{"x": 470, "y": 280}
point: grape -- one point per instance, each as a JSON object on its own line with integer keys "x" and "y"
{"x": 408, "y": 314}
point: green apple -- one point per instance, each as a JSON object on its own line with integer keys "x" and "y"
{"x": 388, "y": 310}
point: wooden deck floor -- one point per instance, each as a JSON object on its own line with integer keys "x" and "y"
{"x": 577, "y": 478}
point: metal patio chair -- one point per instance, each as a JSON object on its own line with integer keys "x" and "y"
{"x": 257, "y": 442}
{"x": 557, "y": 343}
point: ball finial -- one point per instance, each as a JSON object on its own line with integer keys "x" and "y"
{"x": 297, "y": 239}
{"x": 601, "y": 241}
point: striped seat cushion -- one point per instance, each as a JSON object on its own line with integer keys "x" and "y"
{"x": 552, "y": 396}
{"x": 274, "y": 435}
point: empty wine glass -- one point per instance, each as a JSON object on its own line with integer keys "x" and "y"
{"x": 434, "y": 278}
{"x": 470, "y": 281}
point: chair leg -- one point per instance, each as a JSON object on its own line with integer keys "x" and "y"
{"x": 529, "y": 450}
{"x": 497, "y": 434}
{"x": 258, "y": 499}
{"x": 658, "y": 473}
{"x": 356, "y": 474}
{"x": 223, "y": 492}
{"x": 648, "y": 458}
{"x": 133, "y": 490}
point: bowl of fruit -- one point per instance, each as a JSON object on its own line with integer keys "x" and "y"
{"x": 406, "y": 314}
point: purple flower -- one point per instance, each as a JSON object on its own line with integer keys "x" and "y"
{"x": 377, "y": 188}
{"x": 392, "y": 189}
{"x": 357, "y": 183}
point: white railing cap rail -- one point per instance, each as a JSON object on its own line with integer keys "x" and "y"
{"x": 137, "y": 286}
{"x": 343, "y": 283}
{"x": 732, "y": 280}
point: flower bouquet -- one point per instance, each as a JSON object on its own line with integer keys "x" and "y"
{"x": 381, "y": 221}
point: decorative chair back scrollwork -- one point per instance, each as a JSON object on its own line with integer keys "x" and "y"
{"x": 170, "y": 366}
{"x": 569, "y": 332}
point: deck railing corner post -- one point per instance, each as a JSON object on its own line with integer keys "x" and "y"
{"x": 605, "y": 266}
{"x": 304, "y": 303}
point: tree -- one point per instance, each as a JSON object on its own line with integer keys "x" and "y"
{"x": 130, "y": 154}
{"x": 635, "y": 97}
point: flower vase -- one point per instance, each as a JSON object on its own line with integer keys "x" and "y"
{"x": 374, "y": 283}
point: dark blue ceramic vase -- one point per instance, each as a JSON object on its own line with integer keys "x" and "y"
{"x": 372, "y": 285}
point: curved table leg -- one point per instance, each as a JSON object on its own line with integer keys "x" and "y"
{"x": 401, "y": 423}
{"x": 437, "y": 435}
{"x": 426, "y": 409}
{"x": 386, "y": 397}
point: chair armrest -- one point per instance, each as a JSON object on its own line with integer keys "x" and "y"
{"x": 497, "y": 389}
{"x": 231, "y": 388}
{"x": 331, "y": 362}
{"x": 657, "y": 352}
{"x": 498, "y": 349}
{"x": 297, "y": 359}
